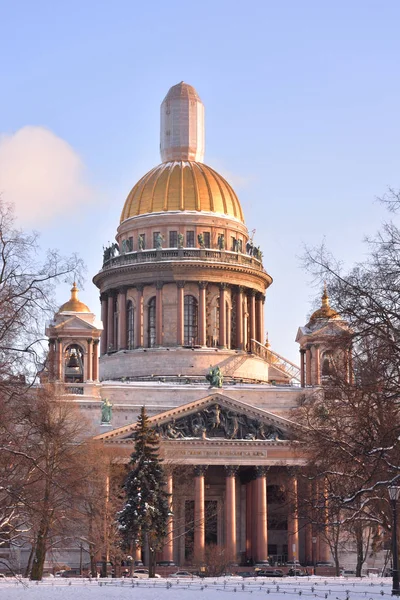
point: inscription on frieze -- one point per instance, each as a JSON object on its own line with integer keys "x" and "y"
{"x": 217, "y": 421}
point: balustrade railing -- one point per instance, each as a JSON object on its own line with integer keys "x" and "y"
{"x": 276, "y": 359}
{"x": 179, "y": 254}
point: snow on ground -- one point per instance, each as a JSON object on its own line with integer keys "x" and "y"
{"x": 232, "y": 588}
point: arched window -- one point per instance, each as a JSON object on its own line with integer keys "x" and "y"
{"x": 327, "y": 366}
{"x": 190, "y": 321}
{"x": 151, "y": 322}
{"x": 130, "y": 316}
{"x": 73, "y": 359}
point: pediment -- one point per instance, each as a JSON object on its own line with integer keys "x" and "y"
{"x": 74, "y": 322}
{"x": 215, "y": 417}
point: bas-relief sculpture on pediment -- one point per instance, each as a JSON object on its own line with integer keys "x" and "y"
{"x": 218, "y": 421}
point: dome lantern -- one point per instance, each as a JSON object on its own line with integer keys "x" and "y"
{"x": 182, "y": 125}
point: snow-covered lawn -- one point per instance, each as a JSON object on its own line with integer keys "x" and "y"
{"x": 232, "y": 588}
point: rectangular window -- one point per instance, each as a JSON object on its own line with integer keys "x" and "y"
{"x": 207, "y": 241}
{"x": 173, "y": 239}
{"x": 190, "y": 239}
{"x": 233, "y": 244}
{"x": 129, "y": 247}
{"x": 155, "y": 238}
{"x": 240, "y": 245}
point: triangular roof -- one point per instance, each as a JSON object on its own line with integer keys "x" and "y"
{"x": 268, "y": 419}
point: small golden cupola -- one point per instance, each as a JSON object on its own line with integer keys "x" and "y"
{"x": 325, "y": 312}
{"x": 74, "y": 304}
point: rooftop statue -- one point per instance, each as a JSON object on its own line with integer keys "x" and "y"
{"x": 215, "y": 377}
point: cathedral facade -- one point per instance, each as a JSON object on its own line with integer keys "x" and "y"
{"x": 182, "y": 332}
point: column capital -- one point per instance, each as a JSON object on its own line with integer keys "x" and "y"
{"x": 224, "y": 286}
{"x": 89, "y": 340}
{"x": 122, "y": 289}
{"x": 96, "y": 342}
{"x": 203, "y": 285}
{"x": 302, "y": 350}
{"x": 200, "y": 470}
{"x": 103, "y": 296}
{"x": 159, "y": 285}
{"x": 180, "y": 284}
{"x": 251, "y": 292}
{"x": 292, "y": 471}
{"x": 241, "y": 289}
{"x": 261, "y": 471}
{"x": 51, "y": 341}
{"x": 139, "y": 287}
{"x": 231, "y": 470}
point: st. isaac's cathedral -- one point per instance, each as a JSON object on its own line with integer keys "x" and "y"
{"x": 182, "y": 332}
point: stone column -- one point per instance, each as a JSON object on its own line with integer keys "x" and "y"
{"x": 249, "y": 514}
{"x": 262, "y": 340}
{"x": 252, "y": 315}
{"x": 222, "y": 315}
{"x": 254, "y": 520}
{"x": 324, "y": 550}
{"x": 52, "y": 359}
{"x": 104, "y": 318}
{"x": 262, "y": 533}
{"x": 169, "y": 544}
{"x": 180, "y": 336}
{"x": 95, "y": 368}
{"x": 60, "y": 360}
{"x": 110, "y": 324}
{"x": 259, "y": 318}
{"x": 230, "y": 513}
{"x": 139, "y": 317}
{"x": 293, "y": 517}
{"x": 308, "y": 544}
{"x": 308, "y": 366}
{"x": 202, "y": 313}
{"x": 302, "y": 367}
{"x": 159, "y": 313}
{"x": 89, "y": 360}
{"x": 317, "y": 366}
{"x": 239, "y": 319}
{"x": 199, "y": 513}
{"x": 228, "y": 326}
{"x": 122, "y": 337}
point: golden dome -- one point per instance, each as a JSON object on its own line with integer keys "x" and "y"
{"x": 325, "y": 312}
{"x": 182, "y": 185}
{"x": 74, "y": 304}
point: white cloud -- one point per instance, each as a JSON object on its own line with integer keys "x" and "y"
{"x": 42, "y": 175}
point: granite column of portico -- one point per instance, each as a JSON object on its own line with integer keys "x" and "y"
{"x": 262, "y": 532}
{"x": 308, "y": 365}
{"x": 199, "y": 513}
{"x": 293, "y": 517}
{"x": 230, "y": 512}
{"x": 202, "y": 313}
{"x": 249, "y": 523}
{"x": 59, "y": 360}
{"x": 168, "y": 553}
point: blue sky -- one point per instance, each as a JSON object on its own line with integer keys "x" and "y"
{"x": 302, "y": 117}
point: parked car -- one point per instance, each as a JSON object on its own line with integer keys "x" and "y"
{"x": 166, "y": 563}
{"x": 294, "y": 572}
{"x": 142, "y": 574}
{"x": 184, "y": 574}
{"x": 270, "y": 573}
{"x": 247, "y": 574}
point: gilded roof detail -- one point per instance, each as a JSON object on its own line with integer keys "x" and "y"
{"x": 182, "y": 186}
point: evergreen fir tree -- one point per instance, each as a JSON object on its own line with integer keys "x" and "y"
{"x": 146, "y": 511}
